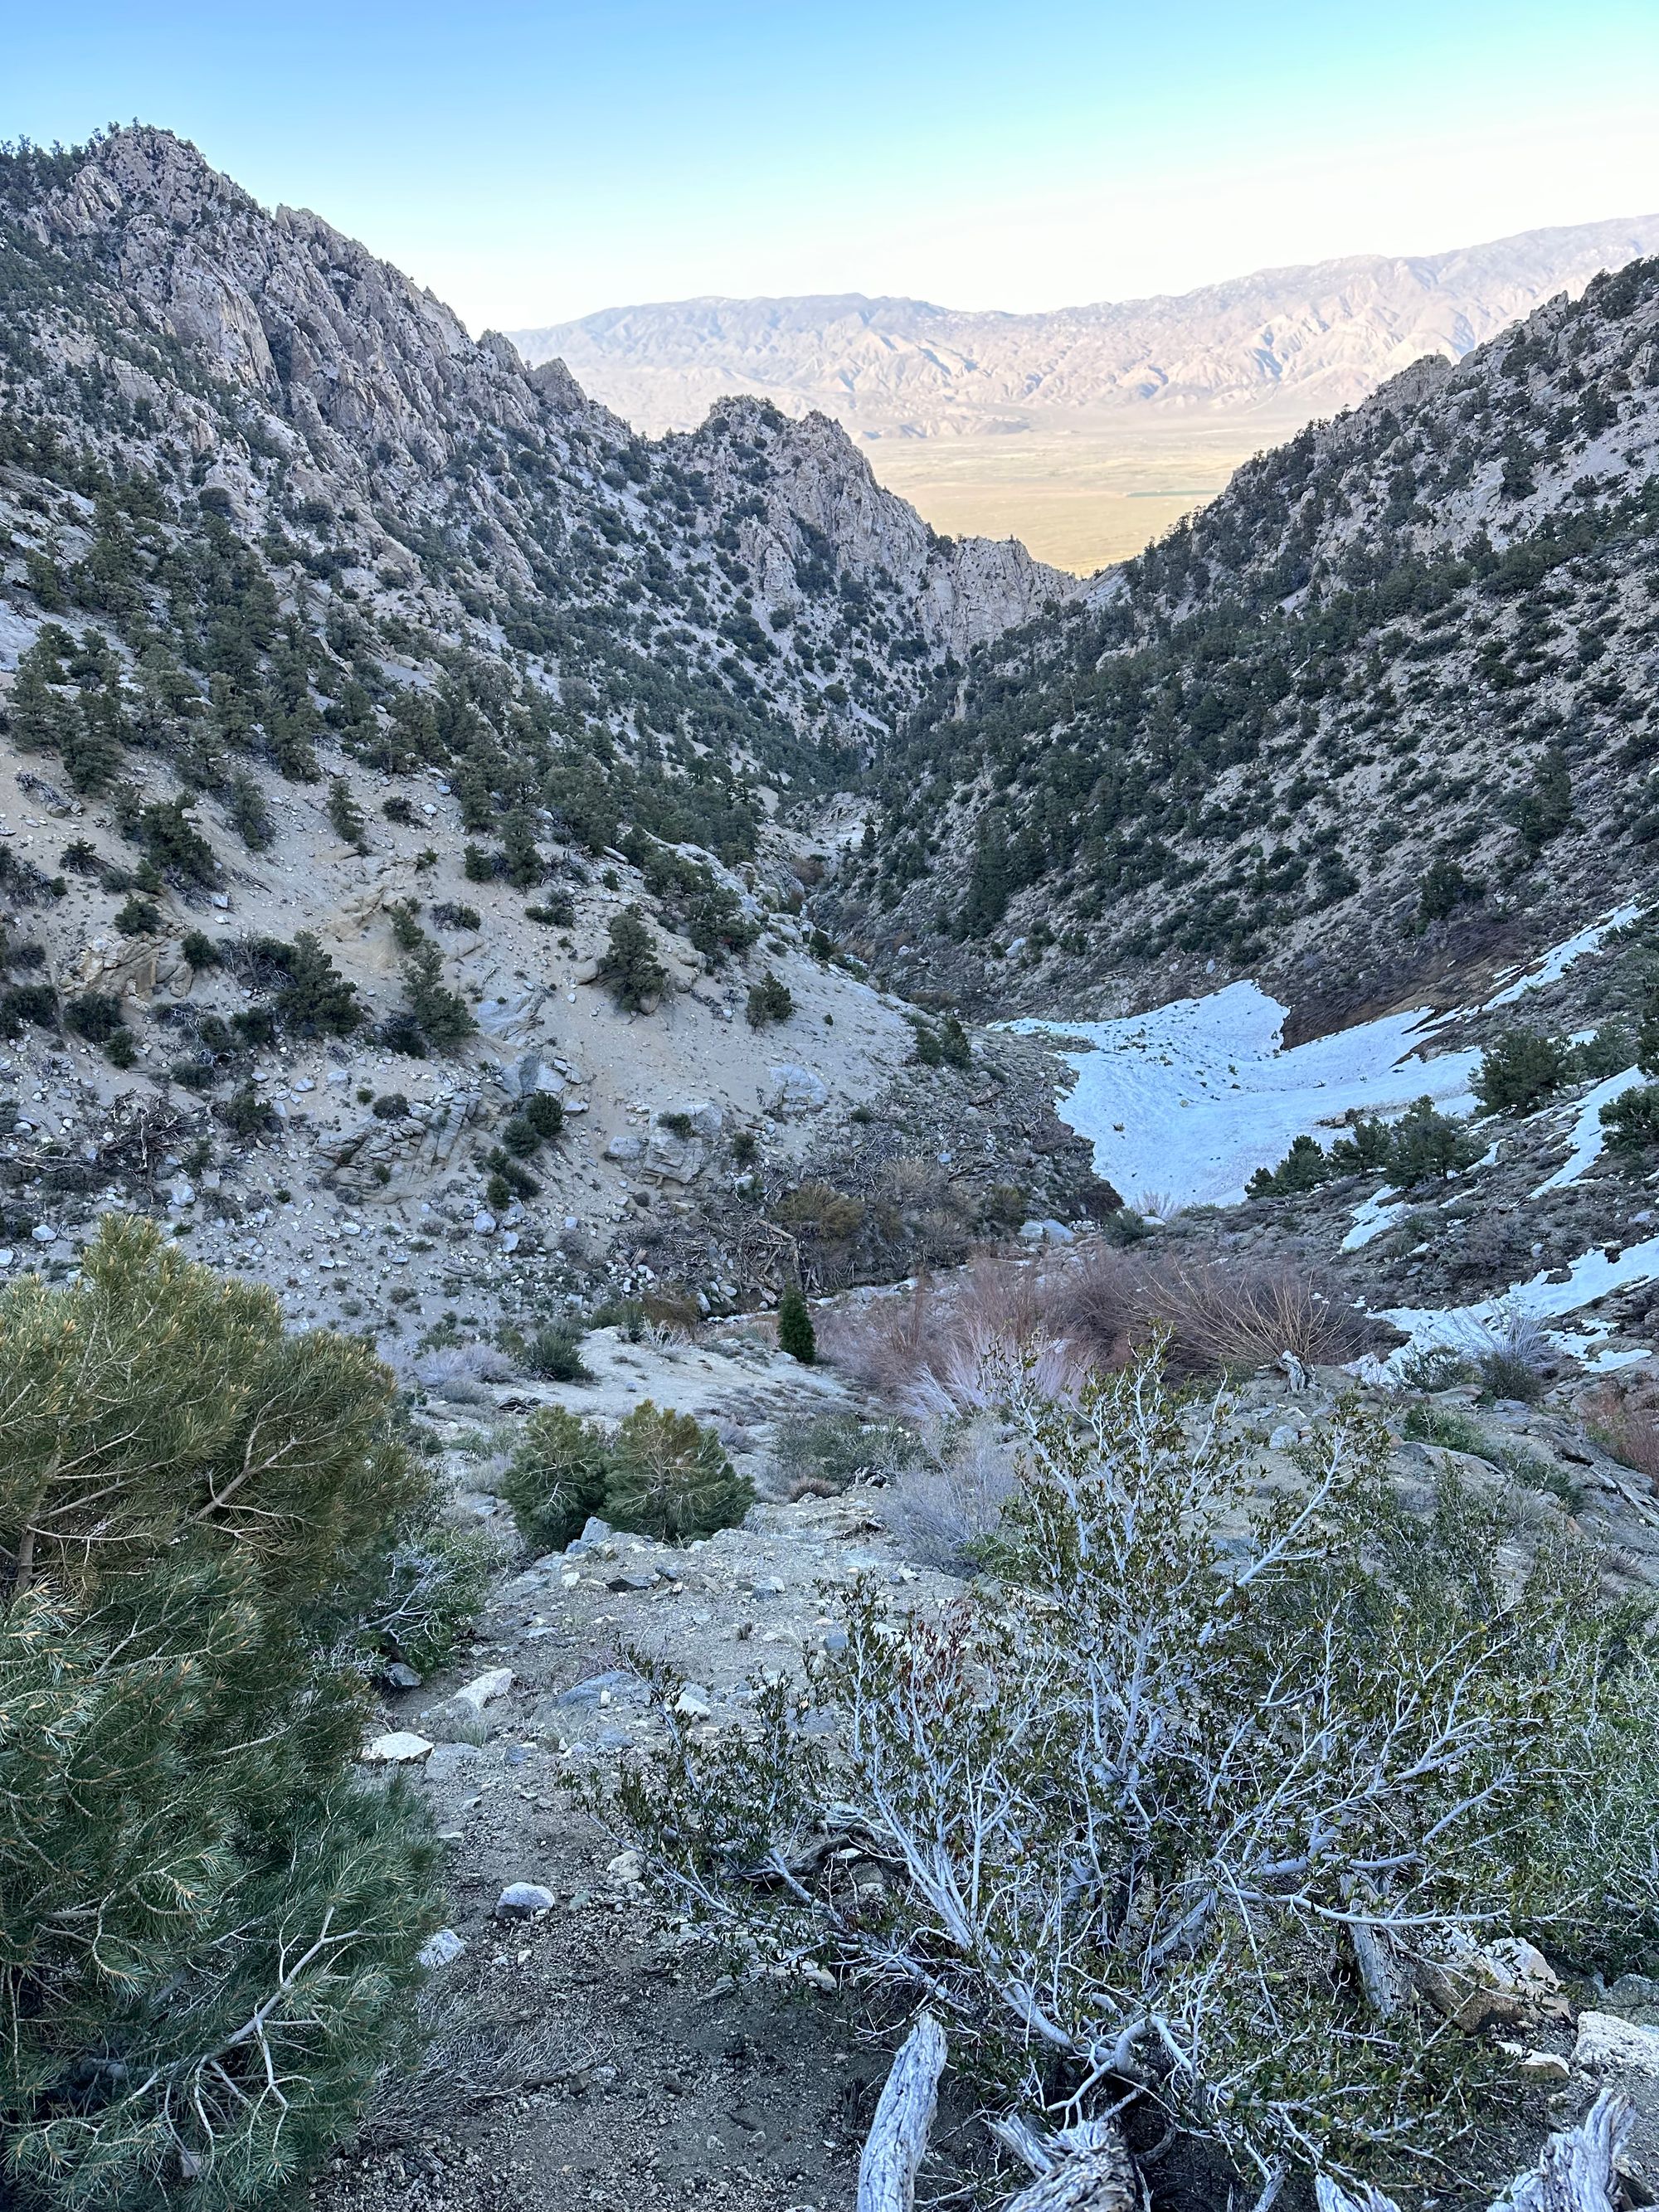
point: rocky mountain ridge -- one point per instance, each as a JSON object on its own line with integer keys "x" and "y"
{"x": 343, "y": 660}
{"x": 1383, "y": 712}
{"x": 301, "y": 370}
{"x": 1286, "y": 345}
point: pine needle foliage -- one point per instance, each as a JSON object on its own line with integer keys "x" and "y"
{"x": 629, "y": 968}
{"x": 208, "y": 1928}
{"x": 796, "y": 1334}
{"x": 557, "y": 1478}
{"x": 660, "y": 1475}
{"x": 671, "y": 1477}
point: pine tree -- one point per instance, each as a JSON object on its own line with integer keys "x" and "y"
{"x": 796, "y": 1334}
{"x": 769, "y": 1000}
{"x": 521, "y": 863}
{"x": 346, "y": 816}
{"x": 196, "y": 1509}
{"x": 443, "y": 1017}
{"x": 637, "y": 979}
{"x": 557, "y": 1478}
{"x": 317, "y": 1001}
{"x": 671, "y": 1479}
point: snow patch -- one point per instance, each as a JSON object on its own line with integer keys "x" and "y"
{"x": 1557, "y": 961}
{"x": 1381, "y": 1211}
{"x": 1587, "y": 1131}
{"x": 1591, "y": 1276}
{"x": 1190, "y": 1099}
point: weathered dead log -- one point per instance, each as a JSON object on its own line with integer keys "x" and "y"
{"x": 1086, "y": 2168}
{"x": 898, "y": 2135}
{"x": 1574, "y": 2171}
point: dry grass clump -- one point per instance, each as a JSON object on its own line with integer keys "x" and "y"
{"x": 1625, "y": 1424}
{"x": 935, "y": 1352}
{"x": 937, "y": 1349}
{"x": 943, "y": 1507}
{"x": 1233, "y": 1315}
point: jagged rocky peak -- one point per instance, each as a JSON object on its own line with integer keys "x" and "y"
{"x": 815, "y": 488}
{"x": 360, "y": 379}
{"x": 283, "y": 302}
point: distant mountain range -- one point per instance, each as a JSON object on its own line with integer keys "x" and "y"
{"x": 1282, "y": 344}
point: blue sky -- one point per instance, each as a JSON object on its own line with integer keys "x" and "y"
{"x": 534, "y": 162}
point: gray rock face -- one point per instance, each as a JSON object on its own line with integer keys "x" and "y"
{"x": 677, "y": 1159}
{"x": 797, "y": 1090}
{"x": 370, "y": 389}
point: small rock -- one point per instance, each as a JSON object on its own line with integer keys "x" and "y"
{"x": 484, "y": 1222}
{"x": 627, "y": 1866}
{"x": 1537, "y": 2065}
{"x": 520, "y": 1899}
{"x": 496, "y": 1682}
{"x": 43, "y": 1233}
{"x": 618, "y": 1683}
{"x": 441, "y": 1949}
{"x": 401, "y": 1677}
{"x": 693, "y": 1703}
{"x": 1608, "y": 2045}
{"x": 1046, "y": 1232}
{"x": 401, "y": 1747}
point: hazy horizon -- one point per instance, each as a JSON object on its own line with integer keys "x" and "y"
{"x": 533, "y": 164}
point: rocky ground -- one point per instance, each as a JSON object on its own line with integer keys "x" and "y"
{"x": 586, "y": 2056}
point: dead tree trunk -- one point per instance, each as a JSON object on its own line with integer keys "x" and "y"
{"x": 1574, "y": 2172}
{"x": 898, "y": 2135}
{"x": 1086, "y": 2168}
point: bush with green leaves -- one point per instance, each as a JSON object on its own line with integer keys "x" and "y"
{"x": 1363, "y": 1148}
{"x": 1428, "y": 1145}
{"x": 669, "y": 1478}
{"x": 1631, "y": 1122}
{"x": 553, "y": 1353}
{"x": 1195, "y": 1804}
{"x": 545, "y": 1114}
{"x": 439, "y": 1017}
{"x": 95, "y": 1015}
{"x": 208, "y": 1926}
{"x": 436, "y": 1582}
{"x": 1304, "y": 1167}
{"x": 1520, "y": 1071}
{"x": 821, "y": 1455}
{"x": 315, "y": 1000}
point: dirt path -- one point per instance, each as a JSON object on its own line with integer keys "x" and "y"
{"x": 583, "y": 2057}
